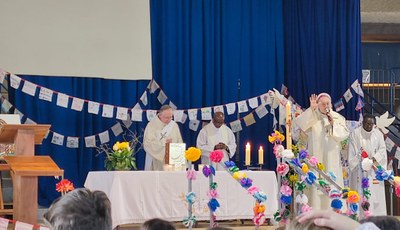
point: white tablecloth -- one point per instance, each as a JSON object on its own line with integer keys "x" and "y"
{"x": 137, "y": 196}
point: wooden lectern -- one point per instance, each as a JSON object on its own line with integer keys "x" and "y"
{"x": 26, "y": 167}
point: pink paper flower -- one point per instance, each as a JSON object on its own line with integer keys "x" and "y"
{"x": 305, "y": 208}
{"x": 213, "y": 193}
{"x": 313, "y": 161}
{"x": 253, "y": 189}
{"x": 191, "y": 174}
{"x": 216, "y": 156}
{"x": 282, "y": 169}
{"x": 286, "y": 190}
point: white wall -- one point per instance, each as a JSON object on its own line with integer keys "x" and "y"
{"x": 84, "y": 38}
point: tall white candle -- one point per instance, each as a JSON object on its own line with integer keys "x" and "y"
{"x": 247, "y": 160}
{"x": 260, "y": 156}
{"x": 288, "y": 125}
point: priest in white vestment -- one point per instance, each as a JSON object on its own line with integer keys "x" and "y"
{"x": 216, "y": 135}
{"x": 325, "y": 130}
{"x": 370, "y": 139}
{"x": 159, "y": 131}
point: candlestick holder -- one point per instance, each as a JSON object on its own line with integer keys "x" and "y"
{"x": 254, "y": 168}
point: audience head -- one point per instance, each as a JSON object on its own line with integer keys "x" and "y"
{"x": 306, "y": 225}
{"x": 220, "y": 228}
{"x": 218, "y": 119}
{"x": 383, "y": 222}
{"x": 324, "y": 102}
{"x": 368, "y": 122}
{"x": 80, "y": 209}
{"x": 157, "y": 224}
{"x": 165, "y": 114}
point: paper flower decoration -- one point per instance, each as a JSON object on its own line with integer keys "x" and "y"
{"x": 336, "y": 204}
{"x": 252, "y": 190}
{"x": 301, "y": 199}
{"x": 321, "y": 166}
{"x": 282, "y": 169}
{"x": 260, "y": 196}
{"x": 278, "y": 149}
{"x": 305, "y": 208}
{"x": 313, "y": 161}
{"x": 366, "y": 164}
{"x": 304, "y": 168}
{"x": 286, "y": 190}
{"x": 192, "y": 154}
{"x": 353, "y": 197}
{"x": 191, "y": 197}
{"x": 303, "y": 154}
{"x": 213, "y": 193}
{"x": 239, "y": 175}
{"x": 64, "y": 186}
{"x": 259, "y": 208}
{"x": 207, "y": 171}
{"x": 364, "y": 154}
{"x": 216, "y": 156}
{"x": 213, "y": 204}
{"x": 191, "y": 174}
{"x": 276, "y": 137}
{"x": 287, "y": 153}
{"x": 246, "y": 182}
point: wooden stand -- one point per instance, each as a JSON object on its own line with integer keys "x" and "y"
{"x": 25, "y": 167}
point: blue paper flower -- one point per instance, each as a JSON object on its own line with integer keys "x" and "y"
{"x": 336, "y": 204}
{"x": 354, "y": 207}
{"x": 310, "y": 178}
{"x": 229, "y": 164}
{"x": 364, "y": 182}
{"x": 296, "y": 162}
{"x": 206, "y": 171}
{"x": 332, "y": 175}
{"x": 246, "y": 182}
{"x": 260, "y": 197}
{"x": 213, "y": 204}
{"x": 303, "y": 154}
{"x": 212, "y": 169}
{"x": 191, "y": 197}
{"x": 286, "y": 199}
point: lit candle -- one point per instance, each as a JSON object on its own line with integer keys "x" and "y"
{"x": 247, "y": 160}
{"x": 288, "y": 125}
{"x": 260, "y": 156}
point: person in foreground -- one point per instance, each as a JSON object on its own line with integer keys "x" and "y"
{"x": 159, "y": 131}
{"x": 157, "y": 224}
{"x": 331, "y": 220}
{"x": 325, "y": 130}
{"x": 384, "y": 222}
{"x": 370, "y": 139}
{"x": 216, "y": 136}
{"x": 80, "y": 209}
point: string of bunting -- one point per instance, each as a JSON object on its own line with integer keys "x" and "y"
{"x": 18, "y": 225}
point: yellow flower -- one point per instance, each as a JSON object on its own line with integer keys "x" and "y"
{"x": 321, "y": 166}
{"x": 353, "y": 197}
{"x": 239, "y": 175}
{"x": 304, "y": 167}
{"x": 259, "y": 208}
{"x": 116, "y": 146}
{"x": 192, "y": 154}
{"x": 293, "y": 178}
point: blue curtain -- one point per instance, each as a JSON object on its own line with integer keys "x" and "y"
{"x": 322, "y": 49}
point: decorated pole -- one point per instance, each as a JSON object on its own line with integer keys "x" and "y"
{"x": 288, "y": 125}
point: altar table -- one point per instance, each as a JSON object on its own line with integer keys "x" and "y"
{"x": 137, "y": 196}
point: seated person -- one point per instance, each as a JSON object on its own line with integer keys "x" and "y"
{"x": 80, "y": 209}
{"x": 157, "y": 224}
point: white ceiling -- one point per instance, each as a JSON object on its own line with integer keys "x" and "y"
{"x": 380, "y": 11}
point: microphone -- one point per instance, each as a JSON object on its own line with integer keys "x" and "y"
{"x": 328, "y": 114}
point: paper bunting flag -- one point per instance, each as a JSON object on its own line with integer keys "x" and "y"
{"x": 366, "y": 75}
{"x": 253, "y": 102}
{"x": 284, "y": 90}
{"x": 57, "y": 139}
{"x": 339, "y": 105}
{"x": 23, "y": 226}
{"x": 194, "y": 125}
{"x": 117, "y": 129}
{"x": 122, "y": 113}
{"x": 348, "y": 95}
{"x": 136, "y": 114}
{"x": 62, "y": 100}
{"x": 3, "y": 74}
{"x": 397, "y": 154}
{"x": 153, "y": 86}
{"x": 151, "y": 114}
{"x": 20, "y": 114}
{"x": 6, "y": 106}
{"x": 282, "y": 114}
{"x": 357, "y": 88}
{"x": 231, "y": 108}
{"x": 249, "y": 119}
{"x": 72, "y": 142}
{"x": 261, "y": 111}
{"x": 389, "y": 144}
{"x": 30, "y": 122}
{"x": 275, "y": 121}
{"x": 172, "y": 105}
{"x": 46, "y": 94}
{"x": 104, "y": 137}
{"x": 236, "y": 126}
{"x": 128, "y": 122}
{"x": 178, "y": 115}
{"x": 242, "y": 107}
{"x": 108, "y": 111}
{"x": 15, "y": 81}
{"x": 219, "y": 108}
{"x": 162, "y": 97}
{"x": 93, "y": 107}
{"x": 29, "y": 88}
{"x": 206, "y": 114}
{"x": 3, "y": 223}
{"x": 77, "y": 104}
{"x": 266, "y": 99}
{"x": 360, "y": 104}
{"x": 192, "y": 114}
{"x": 184, "y": 118}
{"x": 90, "y": 141}
{"x": 143, "y": 98}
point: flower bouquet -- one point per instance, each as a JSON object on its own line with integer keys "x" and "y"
{"x": 121, "y": 157}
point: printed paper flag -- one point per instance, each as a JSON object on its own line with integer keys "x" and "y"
{"x": 90, "y": 141}
{"x": 72, "y": 142}
{"x": 339, "y": 105}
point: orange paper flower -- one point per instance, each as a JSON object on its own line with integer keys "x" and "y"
{"x": 258, "y": 208}
{"x": 353, "y": 197}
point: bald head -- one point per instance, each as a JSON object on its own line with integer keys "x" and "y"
{"x": 218, "y": 119}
